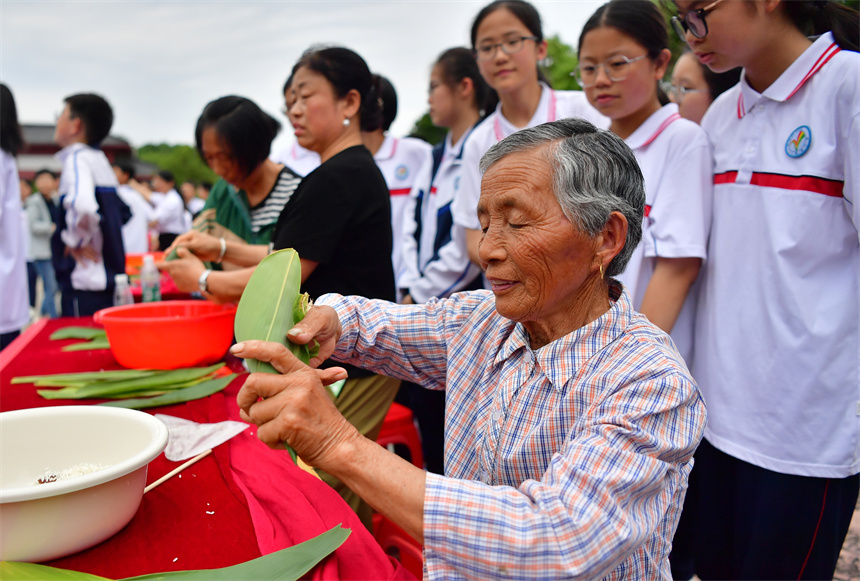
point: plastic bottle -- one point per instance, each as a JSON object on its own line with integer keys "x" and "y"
{"x": 150, "y": 280}
{"x": 122, "y": 291}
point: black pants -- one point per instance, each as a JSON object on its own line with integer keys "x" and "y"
{"x": 744, "y": 522}
{"x": 6, "y": 338}
{"x": 76, "y": 303}
{"x": 165, "y": 240}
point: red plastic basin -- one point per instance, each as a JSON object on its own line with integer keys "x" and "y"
{"x": 169, "y": 334}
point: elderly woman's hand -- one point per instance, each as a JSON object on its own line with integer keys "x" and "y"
{"x": 321, "y": 324}
{"x": 294, "y": 407}
{"x": 203, "y": 246}
{"x": 185, "y": 270}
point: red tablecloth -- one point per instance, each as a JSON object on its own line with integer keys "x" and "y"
{"x": 259, "y": 500}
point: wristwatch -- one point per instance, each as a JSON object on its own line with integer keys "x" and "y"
{"x": 202, "y": 281}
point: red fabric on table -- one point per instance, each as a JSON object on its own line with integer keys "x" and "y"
{"x": 173, "y": 530}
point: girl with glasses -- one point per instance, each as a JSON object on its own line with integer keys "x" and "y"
{"x": 623, "y": 54}
{"x": 694, "y": 86}
{"x": 508, "y": 43}
{"x": 777, "y": 334}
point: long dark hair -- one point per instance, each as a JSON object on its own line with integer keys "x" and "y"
{"x": 641, "y": 20}
{"x": 524, "y": 12}
{"x": 817, "y": 17}
{"x": 459, "y": 63}
{"x": 11, "y": 138}
{"x": 345, "y": 70}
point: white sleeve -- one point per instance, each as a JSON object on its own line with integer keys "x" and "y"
{"x": 408, "y": 243}
{"x": 449, "y": 272}
{"x": 82, "y": 209}
{"x": 679, "y": 218}
{"x": 170, "y": 208}
{"x": 465, "y": 206}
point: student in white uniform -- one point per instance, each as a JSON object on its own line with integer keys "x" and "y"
{"x": 508, "y": 42}
{"x": 15, "y": 312}
{"x": 300, "y": 160}
{"x": 623, "y": 55}
{"x": 87, "y": 245}
{"x": 135, "y": 232}
{"x": 170, "y": 219}
{"x": 435, "y": 258}
{"x": 399, "y": 159}
{"x": 778, "y": 323}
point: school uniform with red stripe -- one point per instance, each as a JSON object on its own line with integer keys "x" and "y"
{"x": 676, "y": 162}
{"x": 778, "y": 322}
{"x": 399, "y": 159}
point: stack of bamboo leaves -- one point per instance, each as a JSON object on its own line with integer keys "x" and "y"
{"x": 133, "y": 388}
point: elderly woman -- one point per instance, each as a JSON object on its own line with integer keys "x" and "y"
{"x": 571, "y": 420}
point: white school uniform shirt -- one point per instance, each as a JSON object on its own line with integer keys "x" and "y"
{"x": 553, "y": 105}
{"x": 84, "y": 169}
{"x": 302, "y": 161}
{"x": 135, "y": 232}
{"x": 676, "y": 161}
{"x": 14, "y": 293}
{"x": 437, "y": 265}
{"x": 169, "y": 213}
{"x": 778, "y": 325}
{"x": 399, "y": 159}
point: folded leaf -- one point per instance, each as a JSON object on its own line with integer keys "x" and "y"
{"x": 77, "y": 333}
{"x": 198, "y": 391}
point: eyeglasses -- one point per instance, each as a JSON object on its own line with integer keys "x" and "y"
{"x": 676, "y": 92}
{"x": 486, "y": 52}
{"x": 617, "y": 68}
{"x": 694, "y": 21}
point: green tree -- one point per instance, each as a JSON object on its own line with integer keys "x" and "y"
{"x": 424, "y": 129}
{"x": 182, "y": 160}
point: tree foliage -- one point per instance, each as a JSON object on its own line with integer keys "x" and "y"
{"x": 182, "y": 160}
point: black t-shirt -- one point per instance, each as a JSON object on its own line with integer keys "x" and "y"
{"x": 340, "y": 217}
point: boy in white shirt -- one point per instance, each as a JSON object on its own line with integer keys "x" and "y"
{"x": 87, "y": 245}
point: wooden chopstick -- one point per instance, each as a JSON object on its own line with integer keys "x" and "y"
{"x": 177, "y": 470}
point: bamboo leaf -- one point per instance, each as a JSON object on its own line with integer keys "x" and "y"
{"x": 65, "y": 393}
{"x": 77, "y": 333}
{"x": 15, "y": 571}
{"x": 271, "y": 305}
{"x": 198, "y": 391}
{"x": 288, "y": 564}
{"x": 86, "y": 376}
{"x": 168, "y": 378}
{"x": 97, "y": 343}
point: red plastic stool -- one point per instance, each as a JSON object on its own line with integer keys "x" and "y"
{"x": 398, "y": 428}
{"x": 399, "y": 544}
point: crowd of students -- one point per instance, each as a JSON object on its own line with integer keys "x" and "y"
{"x": 750, "y": 256}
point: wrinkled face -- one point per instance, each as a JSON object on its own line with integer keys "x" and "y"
{"x": 535, "y": 259}
{"x": 219, "y": 157}
{"x": 734, "y": 33}
{"x": 688, "y": 75}
{"x": 619, "y": 99}
{"x": 440, "y": 99}
{"x": 508, "y": 72}
{"x": 317, "y": 114}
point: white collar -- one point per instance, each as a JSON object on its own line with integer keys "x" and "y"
{"x": 653, "y": 126}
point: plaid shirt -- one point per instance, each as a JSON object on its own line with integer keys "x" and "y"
{"x": 570, "y": 461}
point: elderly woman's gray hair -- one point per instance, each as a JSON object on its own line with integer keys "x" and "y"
{"x": 594, "y": 174}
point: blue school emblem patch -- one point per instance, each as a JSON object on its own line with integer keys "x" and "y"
{"x": 402, "y": 172}
{"x": 798, "y": 142}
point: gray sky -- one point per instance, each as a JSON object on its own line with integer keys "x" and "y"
{"x": 159, "y": 62}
